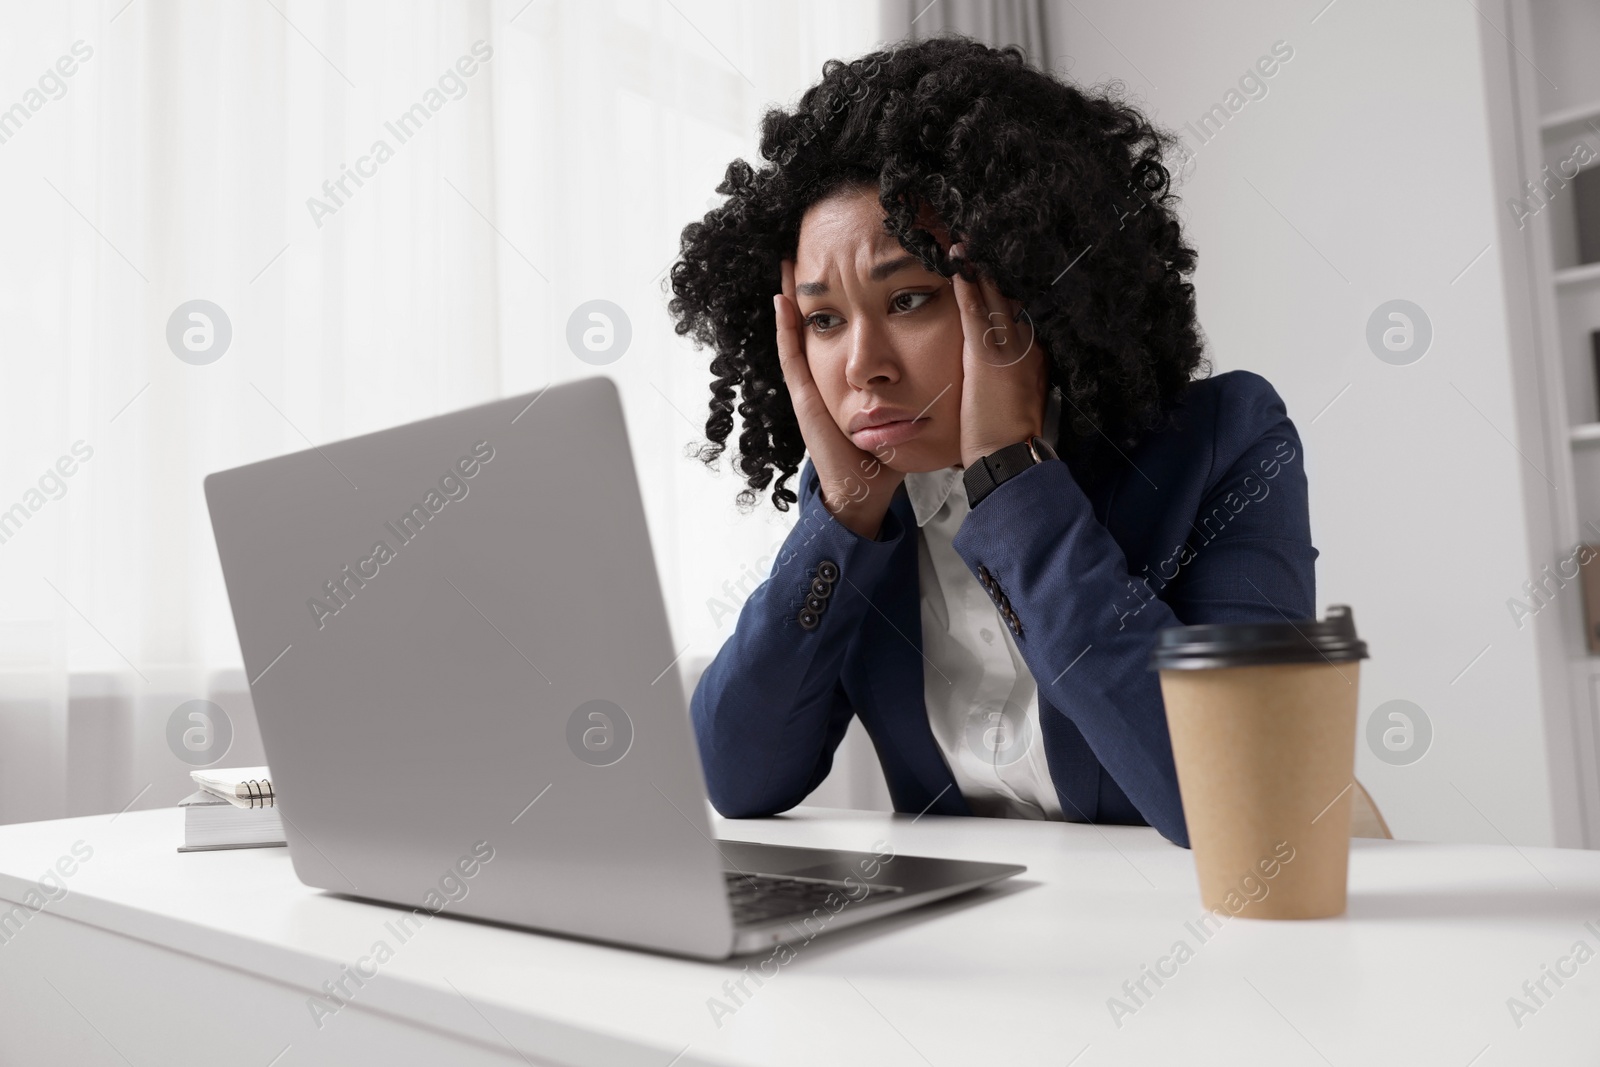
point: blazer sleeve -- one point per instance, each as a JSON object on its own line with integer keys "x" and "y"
{"x": 770, "y": 710}
{"x": 1087, "y": 641}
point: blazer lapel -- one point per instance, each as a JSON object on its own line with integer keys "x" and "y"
{"x": 889, "y": 687}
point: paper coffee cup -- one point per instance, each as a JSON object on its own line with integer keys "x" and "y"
{"x": 1263, "y": 724}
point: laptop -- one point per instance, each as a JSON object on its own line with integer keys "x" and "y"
{"x": 468, "y": 693}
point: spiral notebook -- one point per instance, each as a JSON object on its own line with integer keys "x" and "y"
{"x": 233, "y": 808}
{"x": 243, "y": 787}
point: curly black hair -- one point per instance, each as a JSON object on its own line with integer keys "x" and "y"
{"x": 1059, "y": 193}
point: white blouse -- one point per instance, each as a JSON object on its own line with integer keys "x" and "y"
{"x": 983, "y": 704}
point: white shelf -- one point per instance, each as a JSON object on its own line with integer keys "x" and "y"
{"x": 1589, "y": 272}
{"x": 1571, "y": 116}
{"x": 1556, "y": 315}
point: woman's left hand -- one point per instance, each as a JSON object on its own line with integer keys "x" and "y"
{"x": 1004, "y": 368}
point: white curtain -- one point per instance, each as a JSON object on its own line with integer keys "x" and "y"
{"x": 1026, "y": 23}
{"x": 536, "y": 155}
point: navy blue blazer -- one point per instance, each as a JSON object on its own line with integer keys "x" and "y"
{"x": 1207, "y": 522}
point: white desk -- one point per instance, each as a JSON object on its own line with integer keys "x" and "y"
{"x": 156, "y": 958}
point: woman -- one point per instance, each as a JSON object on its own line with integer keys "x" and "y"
{"x": 957, "y": 286}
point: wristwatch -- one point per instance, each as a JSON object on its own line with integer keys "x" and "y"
{"x": 984, "y": 476}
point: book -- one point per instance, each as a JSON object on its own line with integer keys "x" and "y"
{"x": 211, "y": 822}
{"x": 243, "y": 787}
{"x": 1591, "y": 596}
{"x": 1586, "y": 201}
{"x": 1594, "y": 345}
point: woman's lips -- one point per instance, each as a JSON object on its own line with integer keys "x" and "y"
{"x": 888, "y": 434}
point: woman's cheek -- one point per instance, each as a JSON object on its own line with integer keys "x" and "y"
{"x": 938, "y": 341}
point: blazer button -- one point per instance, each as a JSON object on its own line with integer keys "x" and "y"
{"x": 809, "y": 619}
{"x": 828, "y": 571}
{"x": 816, "y": 604}
{"x": 983, "y": 575}
{"x": 821, "y": 588}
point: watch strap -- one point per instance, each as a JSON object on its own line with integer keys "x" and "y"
{"x": 991, "y": 471}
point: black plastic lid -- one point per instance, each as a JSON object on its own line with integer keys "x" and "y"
{"x": 1250, "y": 644}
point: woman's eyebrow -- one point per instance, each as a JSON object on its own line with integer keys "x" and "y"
{"x": 878, "y": 273}
{"x": 893, "y": 266}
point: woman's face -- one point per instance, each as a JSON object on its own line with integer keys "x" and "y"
{"x": 882, "y": 335}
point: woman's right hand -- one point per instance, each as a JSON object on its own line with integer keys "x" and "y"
{"x": 856, "y": 486}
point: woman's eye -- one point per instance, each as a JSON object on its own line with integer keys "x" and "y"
{"x": 814, "y": 321}
{"x": 910, "y": 301}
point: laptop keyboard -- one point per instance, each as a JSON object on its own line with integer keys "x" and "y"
{"x": 758, "y": 898}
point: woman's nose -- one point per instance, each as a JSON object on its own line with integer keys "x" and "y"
{"x": 872, "y": 359}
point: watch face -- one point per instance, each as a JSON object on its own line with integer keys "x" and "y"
{"x": 1041, "y": 449}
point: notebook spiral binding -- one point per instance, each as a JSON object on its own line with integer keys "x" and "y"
{"x": 259, "y": 792}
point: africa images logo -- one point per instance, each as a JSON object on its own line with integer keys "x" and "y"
{"x": 452, "y": 85}
{"x": 341, "y": 590}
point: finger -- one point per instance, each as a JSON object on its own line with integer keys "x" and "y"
{"x": 972, "y": 304}
{"x": 999, "y": 333}
{"x": 1017, "y": 335}
{"x": 791, "y": 348}
{"x": 786, "y": 270}
{"x": 987, "y": 329}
